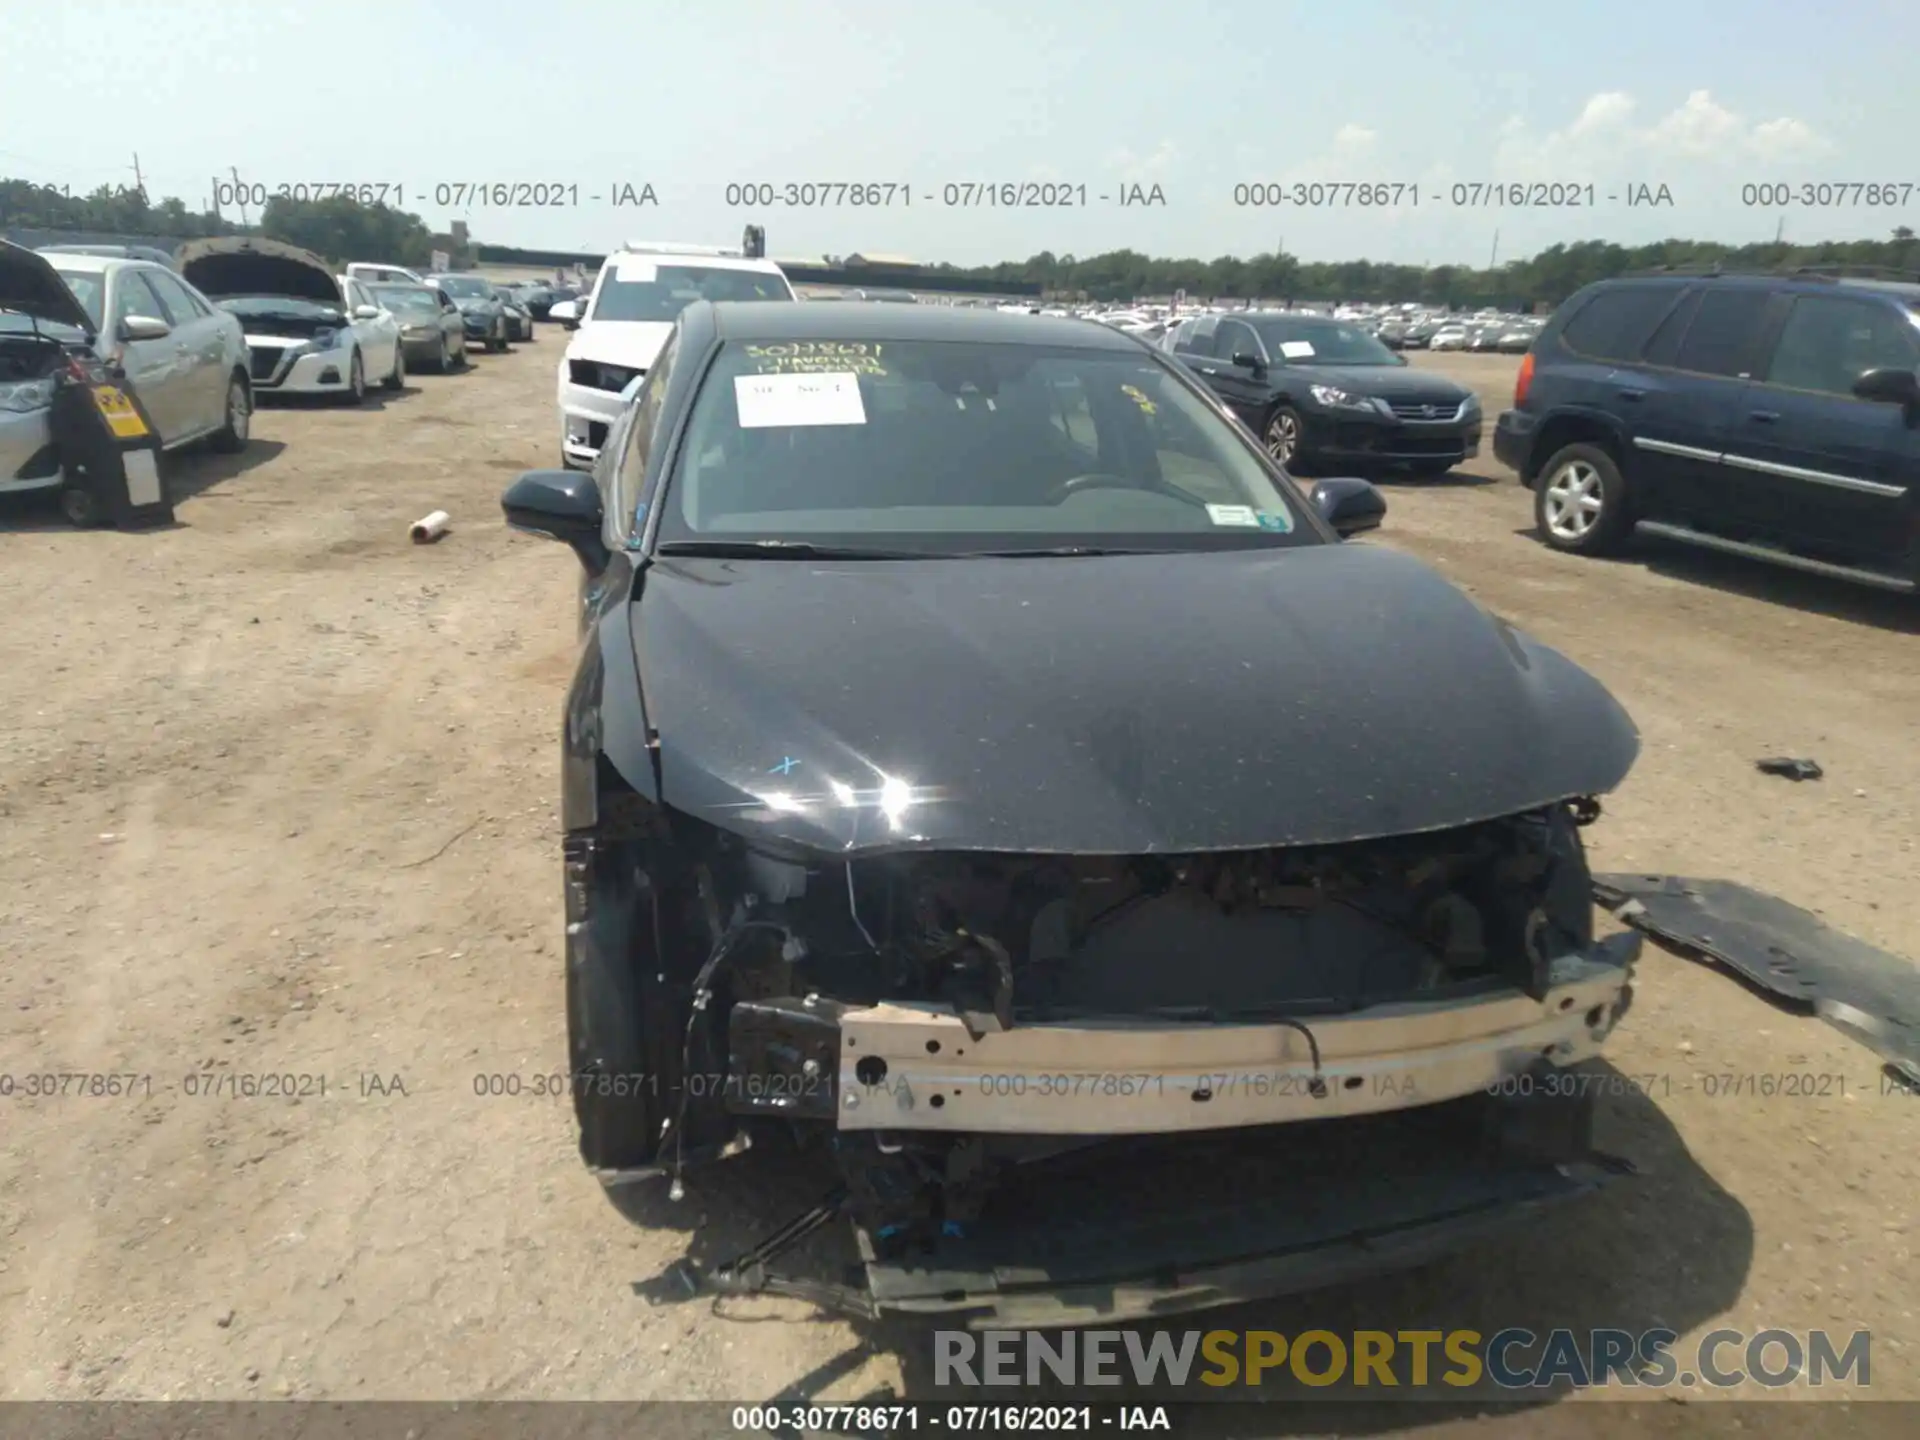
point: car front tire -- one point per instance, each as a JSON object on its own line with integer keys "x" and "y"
{"x": 356, "y": 393}
{"x": 398, "y": 379}
{"x": 1283, "y": 434}
{"x": 1580, "y": 502}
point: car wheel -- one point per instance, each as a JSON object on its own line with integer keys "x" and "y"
{"x": 80, "y": 507}
{"x": 1282, "y": 433}
{"x": 231, "y": 438}
{"x": 356, "y": 380}
{"x": 616, "y": 1105}
{"x": 1580, "y": 502}
{"x": 398, "y": 379}
{"x": 460, "y": 354}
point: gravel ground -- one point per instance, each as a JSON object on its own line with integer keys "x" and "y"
{"x": 279, "y": 801}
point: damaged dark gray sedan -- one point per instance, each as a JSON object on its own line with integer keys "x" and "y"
{"x": 984, "y": 761}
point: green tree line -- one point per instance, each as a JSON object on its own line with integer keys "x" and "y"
{"x": 1543, "y": 279}
{"x": 343, "y": 229}
{"x": 339, "y": 229}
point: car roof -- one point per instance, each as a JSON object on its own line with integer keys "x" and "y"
{"x": 1307, "y": 317}
{"x": 72, "y": 260}
{"x": 786, "y": 320}
{"x": 704, "y": 259}
{"x": 1797, "y": 284}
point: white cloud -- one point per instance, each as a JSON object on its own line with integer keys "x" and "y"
{"x": 1788, "y": 139}
{"x": 1604, "y": 114}
{"x": 1144, "y": 169}
{"x": 1604, "y": 140}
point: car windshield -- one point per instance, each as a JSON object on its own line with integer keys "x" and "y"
{"x": 1291, "y": 342}
{"x": 640, "y": 290}
{"x": 13, "y": 322}
{"x": 465, "y": 287}
{"x": 88, "y": 287}
{"x": 958, "y": 448}
{"x": 406, "y": 299}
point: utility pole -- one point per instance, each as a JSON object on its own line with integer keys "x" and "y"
{"x": 139, "y": 180}
{"x": 1493, "y": 259}
{"x": 1780, "y": 230}
{"x": 240, "y": 195}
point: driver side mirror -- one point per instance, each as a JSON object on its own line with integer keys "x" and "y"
{"x": 567, "y": 312}
{"x": 1247, "y": 360}
{"x": 561, "y": 505}
{"x": 1350, "y": 505}
{"x": 1890, "y": 384}
{"x": 366, "y": 312}
{"x": 144, "y": 327}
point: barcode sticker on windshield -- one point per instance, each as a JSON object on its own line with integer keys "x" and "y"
{"x": 766, "y": 401}
{"x": 1296, "y": 349}
{"x": 1232, "y": 515}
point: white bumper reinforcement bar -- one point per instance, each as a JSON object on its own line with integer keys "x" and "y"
{"x": 915, "y": 1067}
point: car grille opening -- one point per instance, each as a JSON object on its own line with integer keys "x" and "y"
{"x": 596, "y": 433}
{"x": 264, "y": 362}
{"x": 596, "y": 376}
{"x": 1424, "y": 409}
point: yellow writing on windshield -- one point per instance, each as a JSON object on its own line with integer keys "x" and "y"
{"x": 816, "y": 357}
{"x": 1139, "y": 397}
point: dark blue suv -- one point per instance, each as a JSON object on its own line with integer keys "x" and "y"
{"x": 1772, "y": 415}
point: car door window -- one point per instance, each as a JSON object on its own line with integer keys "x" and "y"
{"x": 1720, "y": 341}
{"x": 132, "y": 296}
{"x": 1236, "y": 337}
{"x": 173, "y": 296}
{"x": 625, "y": 505}
{"x": 1828, "y": 342}
{"x": 1199, "y": 341}
{"x": 1664, "y": 348}
{"x": 1616, "y": 323}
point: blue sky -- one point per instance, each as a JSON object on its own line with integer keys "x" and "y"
{"x": 1195, "y": 97}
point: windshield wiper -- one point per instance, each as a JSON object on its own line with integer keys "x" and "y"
{"x": 1051, "y": 550}
{"x": 785, "y": 550}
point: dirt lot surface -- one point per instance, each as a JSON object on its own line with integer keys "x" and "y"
{"x": 279, "y": 800}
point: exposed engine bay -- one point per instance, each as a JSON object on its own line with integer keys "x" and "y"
{"x": 1025, "y": 938}
{"x": 879, "y": 1001}
{"x": 26, "y": 357}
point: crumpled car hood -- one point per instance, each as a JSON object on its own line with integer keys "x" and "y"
{"x": 29, "y": 285}
{"x": 244, "y": 265}
{"x": 1117, "y": 705}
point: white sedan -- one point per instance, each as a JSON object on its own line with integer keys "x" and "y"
{"x": 308, "y": 330}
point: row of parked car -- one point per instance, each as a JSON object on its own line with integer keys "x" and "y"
{"x": 200, "y": 335}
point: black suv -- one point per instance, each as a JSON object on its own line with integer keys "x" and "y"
{"x": 1771, "y": 415}
{"x": 1321, "y": 392}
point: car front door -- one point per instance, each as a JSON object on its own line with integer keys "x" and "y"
{"x": 154, "y": 368}
{"x": 1238, "y": 370}
{"x": 378, "y": 334}
{"x": 1820, "y": 467}
{"x": 202, "y": 352}
{"x": 1678, "y": 404}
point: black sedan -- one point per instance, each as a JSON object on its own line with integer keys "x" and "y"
{"x": 481, "y": 312}
{"x": 519, "y": 317}
{"x": 985, "y": 767}
{"x": 1325, "y": 394}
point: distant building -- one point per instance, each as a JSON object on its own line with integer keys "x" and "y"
{"x": 880, "y": 262}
